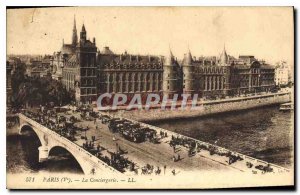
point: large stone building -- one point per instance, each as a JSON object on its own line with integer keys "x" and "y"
{"x": 75, "y": 65}
{"x": 88, "y": 72}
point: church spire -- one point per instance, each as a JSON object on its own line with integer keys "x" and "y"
{"x": 74, "y": 27}
{"x": 224, "y": 57}
{"x": 74, "y": 37}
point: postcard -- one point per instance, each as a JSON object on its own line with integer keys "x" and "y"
{"x": 149, "y": 97}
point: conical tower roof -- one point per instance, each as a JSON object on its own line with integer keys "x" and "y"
{"x": 83, "y": 28}
{"x": 224, "y": 56}
{"x": 187, "y": 60}
{"x": 169, "y": 58}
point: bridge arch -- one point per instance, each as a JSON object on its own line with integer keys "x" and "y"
{"x": 85, "y": 167}
{"x": 54, "y": 148}
{"x": 40, "y": 136}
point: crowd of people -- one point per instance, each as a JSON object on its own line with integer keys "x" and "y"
{"x": 54, "y": 122}
{"x": 194, "y": 147}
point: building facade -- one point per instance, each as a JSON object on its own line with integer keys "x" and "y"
{"x": 129, "y": 74}
{"x": 282, "y": 74}
{"x": 75, "y": 65}
{"x": 88, "y": 72}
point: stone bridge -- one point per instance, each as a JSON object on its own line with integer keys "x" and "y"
{"x": 50, "y": 139}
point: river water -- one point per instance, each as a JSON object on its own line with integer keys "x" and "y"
{"x": 264, "y": 133}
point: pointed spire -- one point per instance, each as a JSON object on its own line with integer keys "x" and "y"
{"x": 189, "y": 54}
{"x": 83, "y": 28}
{"x": 74, "y": 26}
{"x": 83, "y": 33}
{"x": 224, "y": 56}
{"x": 188, "y": 57}
{"x": 74, "y": 36}
{"x": 224, "y": 50}
{"x": 169, "y": 58}
{"x": 170, "y": 52}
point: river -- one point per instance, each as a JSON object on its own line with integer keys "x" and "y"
{"x": 264, "y": 133}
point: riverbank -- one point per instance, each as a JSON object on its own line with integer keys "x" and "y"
{"x": 205, "y": 108}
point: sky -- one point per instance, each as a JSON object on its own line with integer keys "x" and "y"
{"x": 265, "y": 32}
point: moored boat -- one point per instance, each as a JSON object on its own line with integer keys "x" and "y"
{"x": 286, "y": 106}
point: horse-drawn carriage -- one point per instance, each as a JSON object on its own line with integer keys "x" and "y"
{"x": 133, "y": 135}
{"x": 104, "y": 118}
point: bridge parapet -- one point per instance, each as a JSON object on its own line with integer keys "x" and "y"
{"x": 50, "y": 139}
{"x": 276, "y": 168}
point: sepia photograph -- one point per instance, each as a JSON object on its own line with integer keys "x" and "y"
{"x": 150, "y": 97}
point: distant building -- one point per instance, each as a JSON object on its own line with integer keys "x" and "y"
{"x": 282, "y": 74}
{"x": 89, "y": 72}
{"x": 8, "y": 84}
{"x": 39, "y": 66}
{"x": 251, "y": 76}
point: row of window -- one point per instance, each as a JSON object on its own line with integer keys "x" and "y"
{"x": 129, "y": 87}
{"x": 87, "y": 91}
{"x": 132, "y": 66}
{"x": 130, "y": 76}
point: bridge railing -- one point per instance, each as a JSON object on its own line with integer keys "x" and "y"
{"x": 245, "y": 157}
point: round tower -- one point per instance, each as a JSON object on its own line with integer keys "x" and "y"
{"x": 188, "y": 77}
{"x": 169, "y": 76}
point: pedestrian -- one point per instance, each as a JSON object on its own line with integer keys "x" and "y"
{"x": 117, "y": 145}
{"x": 173, "y": 172}
{"x": 93, "y": 171}
{"x": 165, "y": 167}
{"x": 174, "y": 159}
